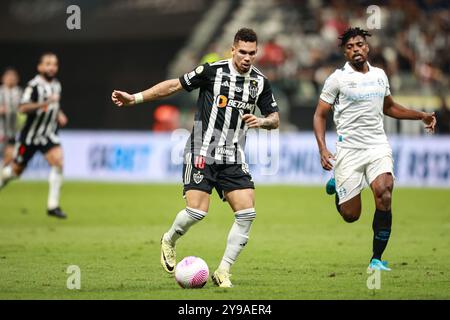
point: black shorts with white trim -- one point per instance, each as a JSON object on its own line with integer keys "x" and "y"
{"x": 199, "y": 175}
{"x": 24, "y": 152}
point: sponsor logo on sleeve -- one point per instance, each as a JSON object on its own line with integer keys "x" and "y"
{"x": 199, "y": 69}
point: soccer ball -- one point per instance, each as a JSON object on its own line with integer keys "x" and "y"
{"x": 191, "y": 272}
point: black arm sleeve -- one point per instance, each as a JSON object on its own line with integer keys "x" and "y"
{"x": 196, "y": 78}
{"x": 266, "y": 101}
{"x": 30, "y": 95}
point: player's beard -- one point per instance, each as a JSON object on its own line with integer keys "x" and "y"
{"x": 48, "y": 77}
{"x": 358, "y": 64}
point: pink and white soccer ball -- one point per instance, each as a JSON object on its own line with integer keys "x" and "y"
{"x": 191, "y": 272}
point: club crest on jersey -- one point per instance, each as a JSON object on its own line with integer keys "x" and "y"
{"x": 198, "y": 177}
{"x": 381, "y": 82}
{"x": 253, "y": 89}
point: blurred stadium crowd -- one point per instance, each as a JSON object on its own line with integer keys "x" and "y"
{"x": 148, "y": 40}
{"x": 299, "y": 46}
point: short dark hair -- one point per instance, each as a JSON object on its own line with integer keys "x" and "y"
{"x": 351, "y": 33}
{"x": 9, "y": 69}
{"x": 45, "y": 54}
{"x": 246, "y": 35}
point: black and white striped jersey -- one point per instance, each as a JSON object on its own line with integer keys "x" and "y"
{"x": 10, "y": 99}
{"x": 41, "y": 126}
{"x": 225, "y": 95}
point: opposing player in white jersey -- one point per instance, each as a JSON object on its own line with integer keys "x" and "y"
{"x": 10, "y": 95}
{"x": 359, "y": 96}
{"x": 40, "y": 102}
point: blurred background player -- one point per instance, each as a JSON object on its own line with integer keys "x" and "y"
{"x": 230, "y": 91}
{"x": 359, "y": 95}
{"x": 10, "y": 95}
{"x": 40, "y": 102}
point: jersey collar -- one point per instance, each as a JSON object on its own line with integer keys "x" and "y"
{"x": 233, "y": 70}
{"x": 43, "y": 80}
{"x": 349, "y": 69}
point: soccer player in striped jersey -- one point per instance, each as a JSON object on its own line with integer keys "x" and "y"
{"x": 10, "y": 95}
{"x": 230, "y": 91}
{"x": 359, "y": 96}
{"x": 40, "y": 102}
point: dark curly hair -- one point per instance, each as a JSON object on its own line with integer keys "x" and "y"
{"x": 246, "y": 35}
{"x": 351, "y": 33}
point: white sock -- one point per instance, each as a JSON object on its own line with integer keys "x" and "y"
{"x": 183, "y": 221}
{"x": 6, "y": 175}
{"x": 55, "y": 180}
{"x": 238, "y": 237}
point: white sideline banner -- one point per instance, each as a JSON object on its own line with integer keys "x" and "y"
{"x": 274, "y": 158}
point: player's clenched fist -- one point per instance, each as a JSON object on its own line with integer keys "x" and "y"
{"x": 429, "y": 119}
{"x": 122, "y": 98}
{"x": 252, "y": 121}
{"x": 325, "y": 157}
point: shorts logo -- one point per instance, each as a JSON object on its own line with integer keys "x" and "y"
{"x": 198, "y": 177}
{"x": 253, "y": 89}
{"x": 341, "y": 192}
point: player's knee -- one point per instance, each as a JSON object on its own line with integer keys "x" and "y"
{"x": 350, "y": 212}
{"x": 17, "y": 169}
{"x": 350, "y": 217}
{"x": 384, "y": 196}
{"x": 57, "y": 162}
{"x": 197, "y": 203}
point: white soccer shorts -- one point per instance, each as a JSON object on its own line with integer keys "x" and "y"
{"x": 356, "y": 168}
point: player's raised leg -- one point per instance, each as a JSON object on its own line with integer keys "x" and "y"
{"x": 350, "y": 210}
{"x": 243, "y": 204}
{"x": 382, "y": 188}
{"x": 197, "y": 204}
{"x": 55, "y": 159}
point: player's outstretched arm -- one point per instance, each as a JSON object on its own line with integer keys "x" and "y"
{"x": 319, "y": 123}
{"x": 394, "y": 110}
{"x": 271, "y": 121}
{"x": 161, "y": 90}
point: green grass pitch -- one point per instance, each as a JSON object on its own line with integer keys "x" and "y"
{"x": 299, "y": 246}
